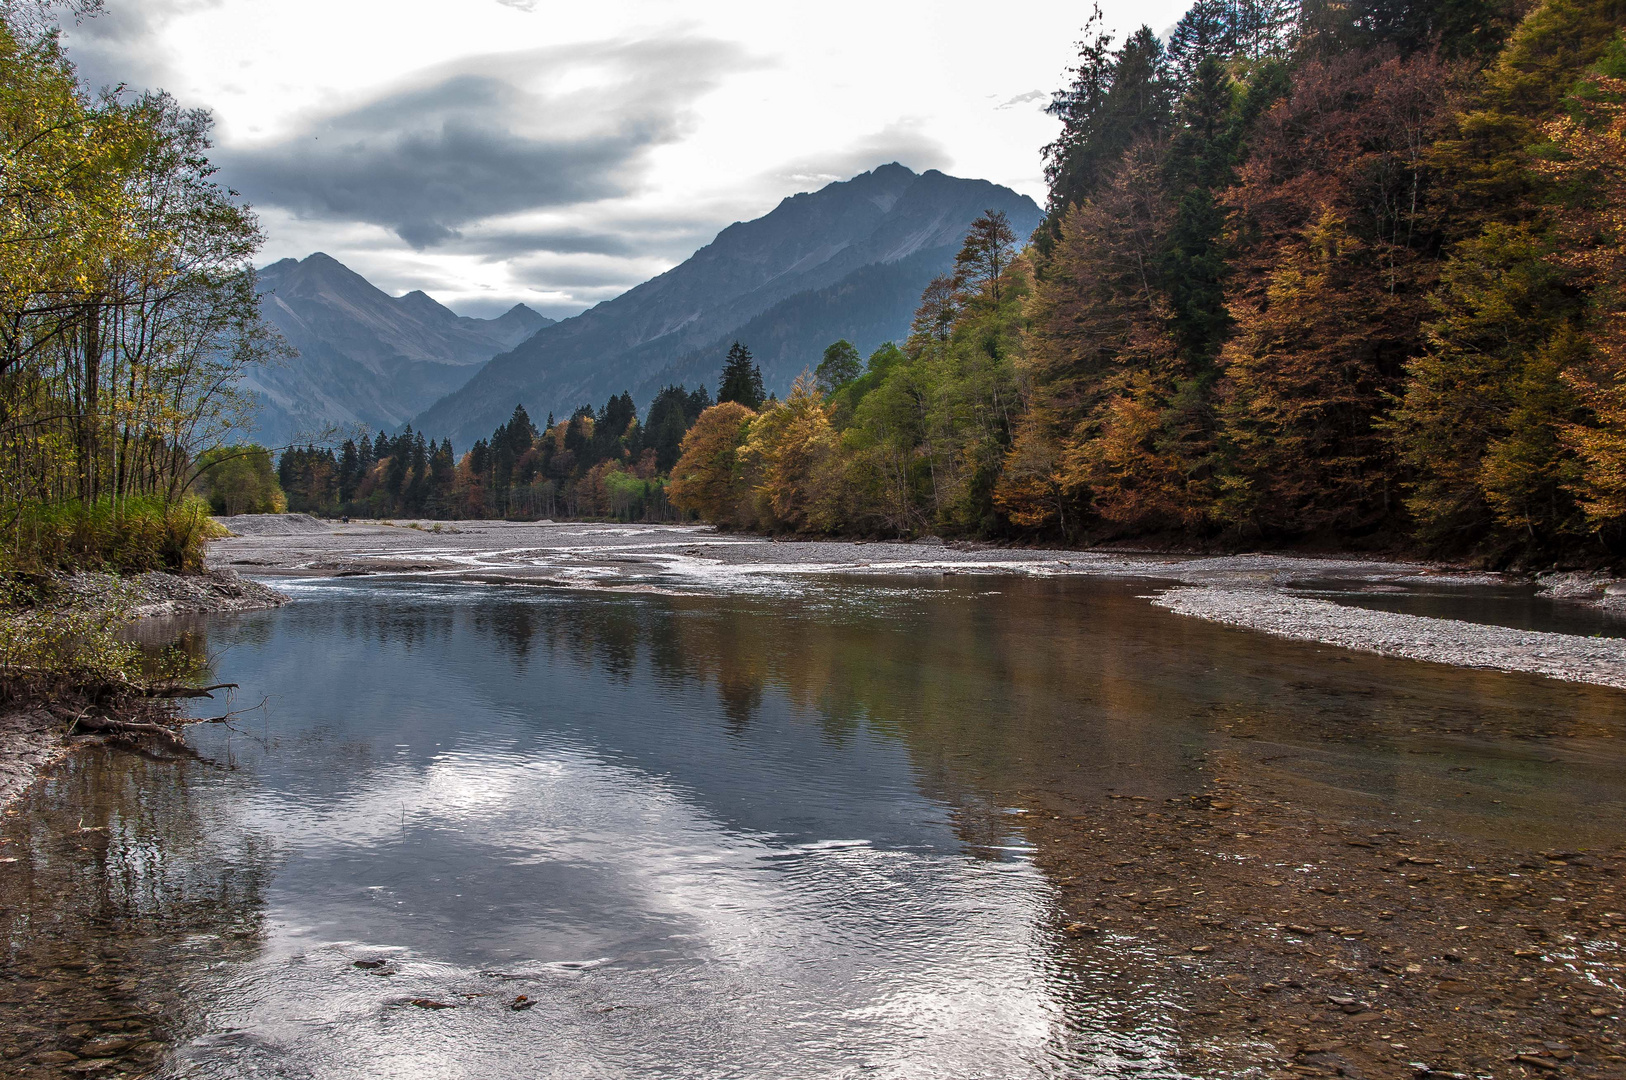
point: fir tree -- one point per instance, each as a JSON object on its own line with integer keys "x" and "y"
{"x": 741, "y": 380}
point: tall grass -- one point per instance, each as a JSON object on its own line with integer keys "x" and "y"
{"x": 129, "y": 536}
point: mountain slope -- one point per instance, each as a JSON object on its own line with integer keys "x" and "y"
{"x": 365, "y": 357}
{"x": 849, "y": 260}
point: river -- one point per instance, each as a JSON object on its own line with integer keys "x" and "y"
{"x": 474, "y": 831}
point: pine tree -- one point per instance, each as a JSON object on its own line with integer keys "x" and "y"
{"x": 1199, "y": 166}
{"x": 349, "y": 470}
{"x": 1116, "y": 98}
{"x": 1225, "y": 30}
{"x": 741, "y": 380}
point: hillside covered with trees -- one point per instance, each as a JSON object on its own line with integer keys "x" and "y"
{"x": 1331, "y": 274}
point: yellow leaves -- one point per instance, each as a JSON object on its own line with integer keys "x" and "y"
{"x": 1590, "y": 156}
{"x": 791, "y": 454}
{"x": 1029, "y": 490}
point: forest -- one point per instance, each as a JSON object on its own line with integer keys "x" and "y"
{"x": 1321, "y": 274}
{"x": 595, "y": 464}
{"x": 127, "y": 313}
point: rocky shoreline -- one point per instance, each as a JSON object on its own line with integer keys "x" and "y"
{"x": 158, "y": 594}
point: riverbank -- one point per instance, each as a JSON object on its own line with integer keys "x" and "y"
{"x": 32, "y": 735}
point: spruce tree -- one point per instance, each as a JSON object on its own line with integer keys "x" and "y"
{"x": 1117, "y": 97}
{"x": 741, "y": 380}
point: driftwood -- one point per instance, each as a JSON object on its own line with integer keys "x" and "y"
{"x": 24, "y": 679}
{"x": 186, "y": 691}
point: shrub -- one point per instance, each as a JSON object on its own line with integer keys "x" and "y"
{"x": 130, "y": 536}
{"x": 240, "y": 480}
{"x": 46, "y": 643}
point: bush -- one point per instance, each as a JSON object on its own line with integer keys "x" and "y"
{"x": 240, "y": 480}
{"x": 44, "y": 646}
{"x": 131, "y": 536}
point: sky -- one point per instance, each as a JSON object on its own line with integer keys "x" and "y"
{"x": 491, "y": 152}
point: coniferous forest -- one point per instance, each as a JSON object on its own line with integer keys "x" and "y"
{"x": 1330, "y": 274}
{"x": 595, "y": 464}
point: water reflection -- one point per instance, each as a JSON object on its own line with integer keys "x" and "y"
{"x": 120, "y": 884}
{"x": 712, "y": 836}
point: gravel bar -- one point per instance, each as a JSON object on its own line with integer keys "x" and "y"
{"x": 1600, "y": 661}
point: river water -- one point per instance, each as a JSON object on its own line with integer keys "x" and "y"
{"x": 468, "y": 831}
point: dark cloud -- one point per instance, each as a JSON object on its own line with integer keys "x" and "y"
{"x": 634, "y": 238}
{"x": 486, "y": 137}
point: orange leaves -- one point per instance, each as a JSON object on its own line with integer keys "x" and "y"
{"x": 1135, "y": 465}
{"x": 1030, "y": 491}
{"x": 708, "y": 479}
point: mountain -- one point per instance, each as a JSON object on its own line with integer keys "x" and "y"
{"x": 849, "y": 260}
{"x": 365, "y": 357}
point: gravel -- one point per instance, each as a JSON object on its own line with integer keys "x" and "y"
{"x": 1570, "y": 657}
{"x": 158, "y": 594}
{"x": 30, "y": 739}
{"x": 272, "y": 524}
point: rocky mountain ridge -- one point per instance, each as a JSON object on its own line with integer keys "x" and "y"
{"x": 364, "y": 357}
{"x": 849, "y": 260}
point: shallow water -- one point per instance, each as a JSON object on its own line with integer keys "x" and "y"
{"x": 1521, "y": 607}
{"x": 768, "y": 835}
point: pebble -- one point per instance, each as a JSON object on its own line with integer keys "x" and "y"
{"x": 1569, "y": 657}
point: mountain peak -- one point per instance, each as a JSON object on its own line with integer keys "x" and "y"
{"x": 846, "y": 261}
{"x": 365, "y": 356}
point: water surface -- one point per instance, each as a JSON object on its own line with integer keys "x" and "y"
{"x": 768, "y": 835}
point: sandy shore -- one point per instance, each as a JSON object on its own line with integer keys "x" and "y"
{"x": 1256, "y": 592}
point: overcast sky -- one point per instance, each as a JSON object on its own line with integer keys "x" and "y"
{"x": 492, "y": 151}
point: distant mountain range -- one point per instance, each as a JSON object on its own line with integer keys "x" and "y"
{"x": 365, "y": 357}
{"x": 848, "y": 261}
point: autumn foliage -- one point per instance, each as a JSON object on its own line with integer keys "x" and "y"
{"x": 1337, "y": 274}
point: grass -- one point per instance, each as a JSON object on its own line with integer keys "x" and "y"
{"x": 131, "y": 536}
